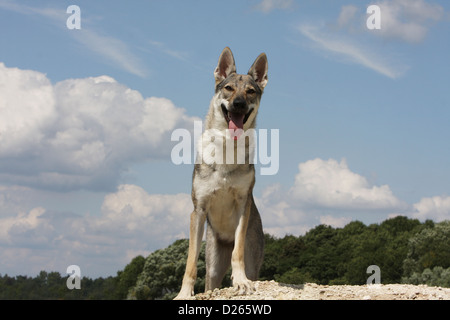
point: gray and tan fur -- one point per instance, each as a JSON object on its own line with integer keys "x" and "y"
{"x": 222, "y": 193}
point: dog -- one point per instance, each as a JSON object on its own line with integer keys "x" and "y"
{"x": 222, "y": 191}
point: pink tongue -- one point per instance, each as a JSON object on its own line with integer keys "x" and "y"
{"x": 236, "y": 121}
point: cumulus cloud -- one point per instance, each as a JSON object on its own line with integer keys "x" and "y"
{"x": 82, "y": 134}
{"x": 331, "y": 184}
{"x": 131, "y": 222}
{"x": 131, "y": 209}
{"x": 14, "y": 229}
{"x": 324, "y": 192}
{"x": 78, "y": 133}
{"x": 436, "y": 208}
{"x": 279, "y": 215}
{"x": 27, "y": 106}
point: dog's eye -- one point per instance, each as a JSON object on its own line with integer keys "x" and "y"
{"x": 229, "y": 88}
{"x": 251, "y": 91}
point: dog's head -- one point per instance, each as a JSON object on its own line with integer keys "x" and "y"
{"x": 238, "y": 95}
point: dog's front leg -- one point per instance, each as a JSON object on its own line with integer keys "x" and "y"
{"x": 240, "y": 280}
{"x": 197, "y": 227}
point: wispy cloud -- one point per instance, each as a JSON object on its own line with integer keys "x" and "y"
{"x": 113, "y": 50}
{"x": 267, "y": 6}
{"x": 348, "y": 39}
{"x": 168, "y": 51}
{"x": 352, "y": 52}
{"x": 401, "y": 20}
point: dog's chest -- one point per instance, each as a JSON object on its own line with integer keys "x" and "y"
{"x": 223, "y": 196}
{"x": 221, "y": 181}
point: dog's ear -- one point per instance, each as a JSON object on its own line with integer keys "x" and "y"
{"x": 225, "y": 67}
{"x": 258, "y": 71}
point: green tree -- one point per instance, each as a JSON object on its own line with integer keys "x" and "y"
{"x": 295, "y": 276}
{"x": 163, "y": 271}
{"x": 437, "y": 277}
{"x": 271, "y": 260}
{"x": 428, "y": 249}
{"x": 128, "y": 277}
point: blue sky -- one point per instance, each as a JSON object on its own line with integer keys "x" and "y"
{"x": 86, "y": 118}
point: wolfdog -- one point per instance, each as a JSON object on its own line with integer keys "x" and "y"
{"x": 222, "y": 191}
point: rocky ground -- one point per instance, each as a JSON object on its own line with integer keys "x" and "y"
{"x": 271, "y": 290}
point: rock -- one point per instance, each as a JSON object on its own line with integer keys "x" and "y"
{"x": 271, "y": 290}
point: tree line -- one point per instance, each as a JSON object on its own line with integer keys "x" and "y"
{"x": 405, "y": 250}
{"x": 51, "y": 285}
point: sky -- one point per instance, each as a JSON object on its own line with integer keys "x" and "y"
{"x": 89, "y": 102}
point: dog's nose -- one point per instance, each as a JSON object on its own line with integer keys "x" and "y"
{"x": 239, "y": 104}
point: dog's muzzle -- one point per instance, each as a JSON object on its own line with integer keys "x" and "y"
{"x": 236, "y": 115}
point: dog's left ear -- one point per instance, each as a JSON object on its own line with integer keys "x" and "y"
{"x": 258, "y": 71}
{"x": 225, "y": 66}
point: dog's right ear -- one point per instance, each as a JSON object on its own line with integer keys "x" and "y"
{"x": 225, "y": 67}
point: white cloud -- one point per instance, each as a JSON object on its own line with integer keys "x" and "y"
{"x": 78, "y": 133}
{"x": 435, "y": 208}
{"x": 27, "y": 106}
{"x": 341, "y": 46}
{"x": 21, "y": 224}
{"x": 324, "y": 192}
{"x": 131, "y": 209}
{"x": 279, "y": 216}
{"x": 131, "y": 222}
{"x": 408, "y": 20}
{"x": 331, "y": 184}
{"x": 267, "y": 6}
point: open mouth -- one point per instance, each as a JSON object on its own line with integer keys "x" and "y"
{"x": 235, "y": 120}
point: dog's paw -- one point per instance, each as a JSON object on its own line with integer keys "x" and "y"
{"x": 243, "y": 286}
{"x": 185, "y": 294}
{"x": 178, "y": 297}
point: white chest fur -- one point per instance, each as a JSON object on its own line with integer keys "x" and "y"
{"x": 223, "y": 196}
